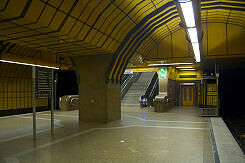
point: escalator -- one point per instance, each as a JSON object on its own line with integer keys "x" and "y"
{"x": 137, "y": 89}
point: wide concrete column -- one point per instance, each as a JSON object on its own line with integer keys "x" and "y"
{"x": 99, "y": 101}
{"x": 163, "y": 81}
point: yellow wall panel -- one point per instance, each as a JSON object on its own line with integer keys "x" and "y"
{"x": 83, "y": 32}
{"x": 76, "y": 28}
{"x": 216, "y": 39}
{"x": 68, "y": 25}
{"x": 77, "y": 9}
{"x": 204, "y": 39}
{"x": 165, "y": 48}
{"x": 57, "y": 20}
{"x": 180, "y": 44}
{"x": 46, "y": 15}
{"x": 55, "y": 3}
{"x": 16, "y": 87}
{"x": 236, "y": 37}
{"x": 66, "y": 5}
{"x": 172, "y": 73}
{"x": 91, "y": 36}
{"x": 15, "y": 7}
{"x": 34, "y": 10}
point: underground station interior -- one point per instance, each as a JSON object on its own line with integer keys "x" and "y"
{"x": 122, "y": 81}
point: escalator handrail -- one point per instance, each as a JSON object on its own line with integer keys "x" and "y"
{"x": 154, "y": 88}
{"x": 150, "y": 86}
{"x": 128, "y": 82}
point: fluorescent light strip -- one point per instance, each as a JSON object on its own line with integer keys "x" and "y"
{"x": 159, "y": 64}
{"x": 184, "y": 67}
{"x": 169, "y": 64}
{"x": 142, "y": 69}
{"x": 193, "y": 34}
{"x": 188, "y": 69}
{"x": 196, "y": 50}
{"x": 27, "y": 64}
{"x": 182, "y": 63}
{"x": 188, "y": 13}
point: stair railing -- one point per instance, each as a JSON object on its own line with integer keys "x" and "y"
{"x": 127, "y": 83}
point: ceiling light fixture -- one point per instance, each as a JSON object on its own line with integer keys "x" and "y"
{"x": 187, "y": 69}
{"x": 182, "y": 63}
{"x": 169, "y": 64}
{"x": 184, "y": 67}
{"x": 188, "y": 13}
{"x": 28, "y": 64}
{"x": 141, "y": 69}
{"x": 164, "y": 64}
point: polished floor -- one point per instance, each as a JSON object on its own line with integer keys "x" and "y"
{"x": 142, "y": 135}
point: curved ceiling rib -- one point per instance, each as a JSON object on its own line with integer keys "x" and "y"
{"x": 153, "y": 21}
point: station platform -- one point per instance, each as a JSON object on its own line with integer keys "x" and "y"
{"x": 224, "y": 143}
{"x": 142, "y": 135}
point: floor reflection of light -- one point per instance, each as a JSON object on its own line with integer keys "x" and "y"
{"x": 144, "y": 115}
{"x": 122, "y": 141}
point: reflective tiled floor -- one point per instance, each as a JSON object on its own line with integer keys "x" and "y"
{"x": 142, "y": 135}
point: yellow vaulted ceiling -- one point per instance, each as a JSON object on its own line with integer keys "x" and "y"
{"x": 136, "y": 31}
{"x": 86, "y": 27}
{"x": 74, "y": 27}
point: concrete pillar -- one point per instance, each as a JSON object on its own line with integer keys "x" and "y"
{"x": 99, "y": 101}
{"x": 163, "y": 81}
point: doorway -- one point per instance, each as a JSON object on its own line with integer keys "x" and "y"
{"x": 187, "y": 95}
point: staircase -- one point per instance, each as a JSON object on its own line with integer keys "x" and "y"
{"x": 137, "y": 90}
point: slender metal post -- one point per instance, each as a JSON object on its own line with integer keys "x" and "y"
{"x": 34, "y": 101}
{"x": 55, "y": 90}
{"x": 217, "y": 83}
{"x": 52, "y": 102}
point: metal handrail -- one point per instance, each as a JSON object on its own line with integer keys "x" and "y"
{"x": 128, "y": 82}
{"x": 154, "y": 91}
{"x": 124, "y": 77}
{"x": 124, "y": 84}
{"x": 151, "y": 86}
{"x": 151, "y": 91}
{"x": 72, "y": 100}
{"x": 169, "y": 99}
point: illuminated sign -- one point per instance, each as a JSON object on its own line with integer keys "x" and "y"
{"x": 163, "y": 72}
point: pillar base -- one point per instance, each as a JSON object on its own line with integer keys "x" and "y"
{"x": 99, "y": 101}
